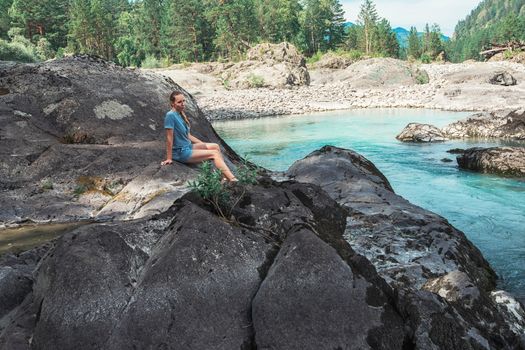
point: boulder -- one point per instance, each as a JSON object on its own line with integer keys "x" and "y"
{"x": 508, "y": 125}
{"x": 502, "y": 78}
{"x": 379, "y": 72}
{"x": 282, "y": 52}
{"x": 415, "y": 132}
{"x": 189, "y": 279}
{"x": 411, "y": 247}
{"x": 268, "y": 65}
{"x": 507, "y": 161}
{"x": 75, "y": 132}
{"x": 332, "y": 61}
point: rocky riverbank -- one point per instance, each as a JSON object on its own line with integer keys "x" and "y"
{"x": 374, "y": 83}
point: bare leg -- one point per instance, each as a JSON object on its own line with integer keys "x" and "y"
{"x": 206, "y": 145}
{"x": 200, "y": 155}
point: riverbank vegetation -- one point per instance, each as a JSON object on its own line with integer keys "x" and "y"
{"x": 157, "y": 33}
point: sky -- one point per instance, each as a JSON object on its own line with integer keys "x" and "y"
{"x": 407, "y": 13}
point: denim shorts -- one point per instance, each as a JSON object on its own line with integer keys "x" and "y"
{"x": 181, "y": 154}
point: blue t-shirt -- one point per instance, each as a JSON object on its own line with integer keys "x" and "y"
{"x": 174, "y": 120}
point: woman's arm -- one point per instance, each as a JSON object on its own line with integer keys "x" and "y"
{"x": 169, "y": 147}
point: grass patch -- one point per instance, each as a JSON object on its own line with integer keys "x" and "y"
{"x": 255, "y": 81}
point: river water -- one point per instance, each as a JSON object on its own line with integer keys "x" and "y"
{"x": 489, "y": 209}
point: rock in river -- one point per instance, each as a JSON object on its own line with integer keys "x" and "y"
{"x": 508, "y": 161}
{"x": 415, "y": 132}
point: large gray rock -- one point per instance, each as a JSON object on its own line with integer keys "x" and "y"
{"x": 409, "y": 247}
{"x": 74, "y": 132}
{"x": 268, "y": 65}
{"x": 415, "y": 132}
{"x": 379, "y": 72}
{"x": 311, "y": 299}
{"x": 188, "y": 279}
{"x": 508, "y": 161}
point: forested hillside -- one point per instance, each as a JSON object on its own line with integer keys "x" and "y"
{"x": 493, "y": 21}
{"x": 151, "y": 33}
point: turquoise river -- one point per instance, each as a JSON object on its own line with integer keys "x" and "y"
{"x": 489, "y": 209}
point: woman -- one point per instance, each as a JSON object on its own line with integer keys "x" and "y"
{"x": 183, "y": 146}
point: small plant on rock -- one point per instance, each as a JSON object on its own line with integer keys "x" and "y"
{"x": 246, "y": 173}
{"x": 255, "y": 81}
{"x": 80, "y": 189}
{"x": 210, "y": 186}
{"x": 46, "y": 185}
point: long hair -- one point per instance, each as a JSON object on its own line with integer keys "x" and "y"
{"x": 172, "y": 99}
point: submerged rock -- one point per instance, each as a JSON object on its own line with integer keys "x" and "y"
{"x": 508, "y": 161}
{"x": 415, "y": 132}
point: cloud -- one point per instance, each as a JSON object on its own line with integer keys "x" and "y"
{"x": 407, "y": 13}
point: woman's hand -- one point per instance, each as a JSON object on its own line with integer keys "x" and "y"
{"x": 166, "y": 162}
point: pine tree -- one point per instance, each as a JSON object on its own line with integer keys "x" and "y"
{"x": 414, "y": 44}
{"x": 151, "y": 13}
{"x": 278, "y": 19}
{"x": 41, "y": 18}
{"x": 5, "y": 18}
{"x": 435, "y": 46}
{"x": 311, "y": 20}
{"x": 186, "y": 33}
{"x": 235, "y": 31}
{"x": 368, "y": 19}
{"x": 335, "y": 31}
{"x": 384, "y": 41}
{"x": 93, "y": 26}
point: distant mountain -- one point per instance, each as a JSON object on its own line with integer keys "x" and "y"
{"x": 402, "y": 35}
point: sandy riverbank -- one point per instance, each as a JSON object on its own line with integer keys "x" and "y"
{"x": 457, "y": 87}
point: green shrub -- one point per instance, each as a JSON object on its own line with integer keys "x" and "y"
{"x": 44, "y": 49}
{"x": 255, "y": 81}
{"x": 315, "y": 57}
{"x": 16, "y": 51}
{"x": 247, "y": 173}
{"x": 226, "y": 84}
{"x": 79, "y": 189}
{"x": 421, "y": 77}
{"x": 210, "y": 186}
{"x": 165, "y": 62}
{"x": 151, "y": 62}
{"x": 425, "y": 58}
{"x": 46, "y": 184}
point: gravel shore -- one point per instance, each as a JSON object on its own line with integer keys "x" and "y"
{"x": 455, "y": 87}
